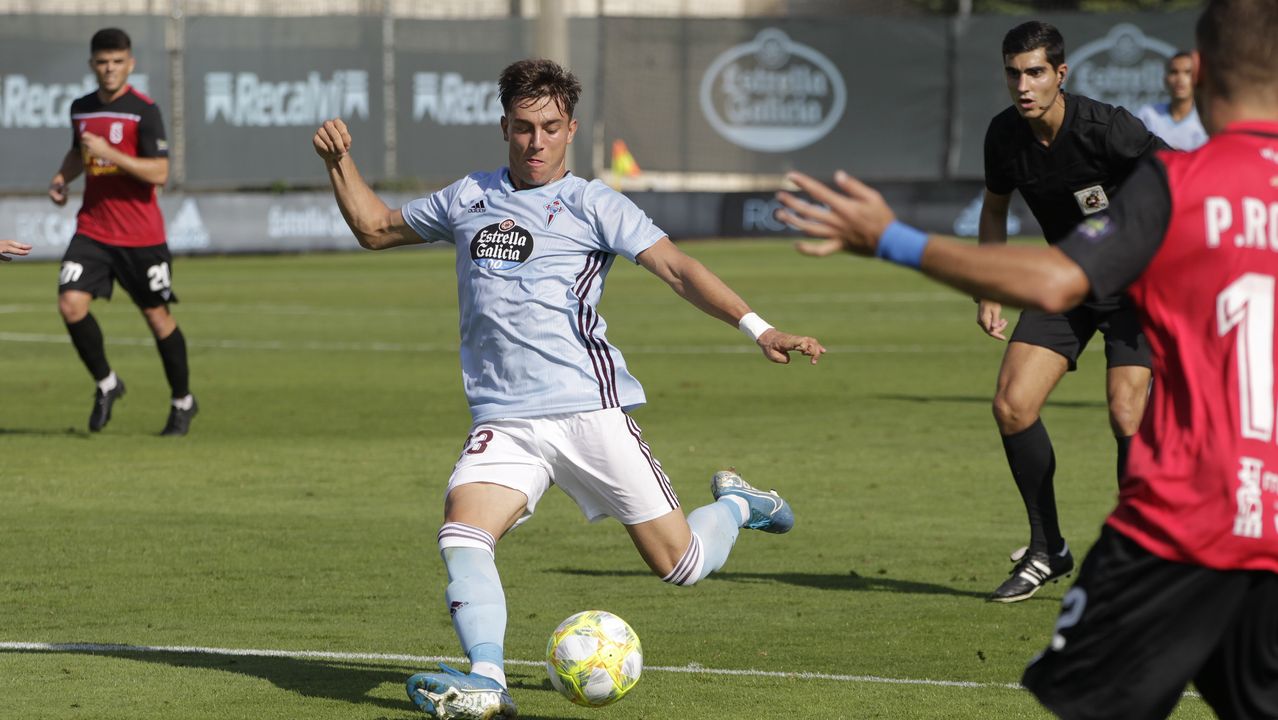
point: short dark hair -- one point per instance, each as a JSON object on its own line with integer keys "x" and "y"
{"x": 1236, "y": 40}
{"x": 1032, "y": 35}
{"x": 110, "y": 39}
{"x": 539, "y": 78}
{"x": 1179, "y": 54}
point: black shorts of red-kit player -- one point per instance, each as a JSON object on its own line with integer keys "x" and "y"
{"x": 1136, "y": 630}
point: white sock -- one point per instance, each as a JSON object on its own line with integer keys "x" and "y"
{"x": 184, "y": 403}
{"x": 108, "y": 383}
{"x": 742, "y": 506}
{"x": 491, "y": 670}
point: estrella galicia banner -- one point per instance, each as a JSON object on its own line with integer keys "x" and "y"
{"x": 773, "y": 94}
{"x": 764, "y": 96}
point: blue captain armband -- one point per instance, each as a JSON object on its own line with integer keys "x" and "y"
{"x": 902, "y": 244}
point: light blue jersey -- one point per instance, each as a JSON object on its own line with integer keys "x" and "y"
{"x": 531, "y": 266}
{"x": 1184, "y": 134}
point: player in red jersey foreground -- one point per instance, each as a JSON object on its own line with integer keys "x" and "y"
{"x": 1183, "y": 583}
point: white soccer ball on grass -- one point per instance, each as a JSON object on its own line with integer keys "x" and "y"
{"x": 594, "y": 658}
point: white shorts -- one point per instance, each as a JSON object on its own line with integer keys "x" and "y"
{"x": 598, "y": 458}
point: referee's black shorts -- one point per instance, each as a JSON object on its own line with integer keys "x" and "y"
{"x": 1135, "y": 630}
{"x": 1068, "y": 333}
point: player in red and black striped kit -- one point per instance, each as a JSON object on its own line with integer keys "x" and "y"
{"x": 1183, "y": 583}
{"x": 118, "y": 142}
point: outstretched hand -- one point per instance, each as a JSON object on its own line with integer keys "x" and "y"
{"x": 850, "y": 220}
{"x": 777, "y": 346}
{"x": 12, "y": 247}
{"x": 332, "y": 140}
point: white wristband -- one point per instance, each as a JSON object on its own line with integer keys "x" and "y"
{"x": 753, "y": 325}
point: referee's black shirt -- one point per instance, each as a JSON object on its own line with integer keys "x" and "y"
{"x": 1097, "y": 147}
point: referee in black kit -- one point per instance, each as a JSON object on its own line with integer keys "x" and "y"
{"x": 1067, "y": 155}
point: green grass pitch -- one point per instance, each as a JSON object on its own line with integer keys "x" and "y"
{"x": 300, "y": 515}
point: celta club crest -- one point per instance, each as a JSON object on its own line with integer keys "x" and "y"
{"x": 553, "y": 209}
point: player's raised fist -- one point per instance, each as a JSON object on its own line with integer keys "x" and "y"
{"x": 332, "y": 140}
{"x": 95, "y": 144}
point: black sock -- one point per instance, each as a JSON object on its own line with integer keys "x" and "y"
{"x": 173, "y": 355}
{"x": 1124, "y": 445}
{"x": 86, "y": 336}
{"x": 1033, "y": 464}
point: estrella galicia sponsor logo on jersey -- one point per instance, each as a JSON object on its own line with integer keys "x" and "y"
{"x": 501, "y": 246}
{"x": 450, "y": 99}
{"x": 772, "y": 94}
{"x": 1092, "y": 199}
{"x": 243, "y": 99}
{"x": 1124, "y": 68}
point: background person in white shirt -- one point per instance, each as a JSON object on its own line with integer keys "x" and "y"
{"x": 1176, "y": 121}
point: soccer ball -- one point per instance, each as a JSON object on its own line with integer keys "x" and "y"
{"x": 593, "y": 658}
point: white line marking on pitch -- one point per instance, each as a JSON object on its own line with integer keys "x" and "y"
{"x": 691, "y": 669}
{"x": 410, "y": 311}
{"x": 346, "y": 346}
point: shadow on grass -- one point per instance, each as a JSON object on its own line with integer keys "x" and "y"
{"x": 64, "y": 432}
{"x": 980, "y": 399}
{"x": 329, "y": 679}
{"x": 344, "y": 680}
{"x": 828, "y": 581}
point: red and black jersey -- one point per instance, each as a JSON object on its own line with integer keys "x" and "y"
{"x": 1195, "y": 242}
{"x": 118, "y": 208}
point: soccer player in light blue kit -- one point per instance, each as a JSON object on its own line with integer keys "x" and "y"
{"x": 548, "y": 393}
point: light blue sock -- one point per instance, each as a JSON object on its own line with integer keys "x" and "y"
{"x": 716, "y": 525}
{"x": 478, "y": 606}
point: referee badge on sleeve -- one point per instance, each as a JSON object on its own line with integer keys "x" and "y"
{"x": 1091, "y": 200}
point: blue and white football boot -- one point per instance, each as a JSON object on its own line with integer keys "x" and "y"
{"x": 455, "y": 695}
{"x": 768, "y": 511}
